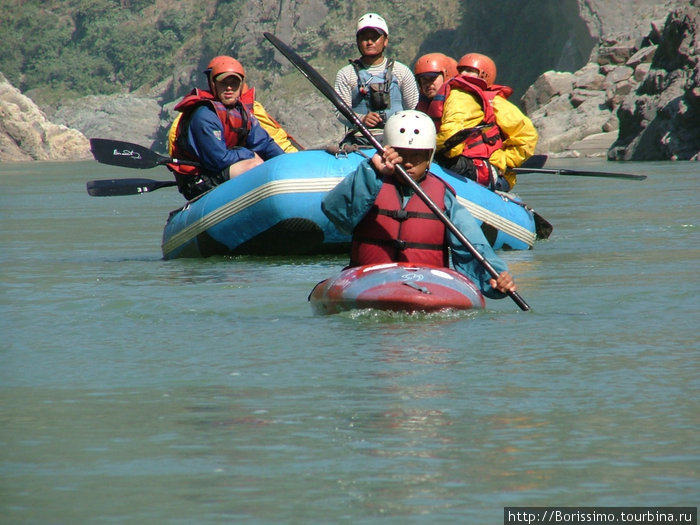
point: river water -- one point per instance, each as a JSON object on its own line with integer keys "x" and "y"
{"x": 137, "y": 390}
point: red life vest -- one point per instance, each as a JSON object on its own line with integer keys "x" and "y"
{"x": 390, "y": 233}
{"x": 480, "y": 144}
{"x": 423, "y": 103}
{"x": 235, "y": 121}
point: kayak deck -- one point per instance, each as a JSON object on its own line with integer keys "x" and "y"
{"x": 400, "y": 287}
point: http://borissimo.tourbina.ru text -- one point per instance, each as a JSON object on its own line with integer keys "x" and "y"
{"x": 588, "y": 515}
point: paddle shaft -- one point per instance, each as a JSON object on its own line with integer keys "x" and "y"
{"x": 578, "y": 173}
{"x": 320, "y": 83}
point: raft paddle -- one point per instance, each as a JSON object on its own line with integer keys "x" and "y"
{"x": 325, "y": 88}
{"x": 535, "y": 161}
{"x": 129, "y": 155}
{"x": 577, "y": 173}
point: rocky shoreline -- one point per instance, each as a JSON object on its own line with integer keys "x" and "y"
{"x": 638, "y": 98}
{"x": 27, "y": 134}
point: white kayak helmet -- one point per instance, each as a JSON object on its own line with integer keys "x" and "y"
{"x": 410, "y": 129}
{"x": 374, "y": 21}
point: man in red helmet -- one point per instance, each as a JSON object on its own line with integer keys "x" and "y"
{"x": 217, "y": 130}
{"x": 481, "y": 134}
{"x": 432, "y": 71}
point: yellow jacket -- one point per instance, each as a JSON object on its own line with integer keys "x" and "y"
{"x": 462, "y": 110}
{"x": 274, "y": 129}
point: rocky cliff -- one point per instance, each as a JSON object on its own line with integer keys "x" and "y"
{"x": 638, "y": 98}
{"x": 661, "y": 118}
{"x": 26, "y": 133}
{"x": 638, "y": 89}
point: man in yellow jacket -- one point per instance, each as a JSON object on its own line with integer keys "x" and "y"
{"x": 481, "y": 134}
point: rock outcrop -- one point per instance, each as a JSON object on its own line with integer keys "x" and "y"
{"x": 26, "y": 133}
{"x": 660, "y": 119}
{"x": 107, "y": 116}
{"x": 637, "y": 97}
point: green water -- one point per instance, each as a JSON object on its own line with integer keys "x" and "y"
{"x": 136, "y": 390}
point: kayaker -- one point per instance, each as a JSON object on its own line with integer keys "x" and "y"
{"x": 218, "y": 130}
{"x": 374, "y": 86}
{"x": 480, "y": 133}
{"x": 389, "y": 223}
{"x": 431, "y": 72}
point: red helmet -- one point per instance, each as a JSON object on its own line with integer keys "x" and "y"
{"x": 433, "y": 63}
{"x": 224, "y": 64}
{"x": 483, "y": 64}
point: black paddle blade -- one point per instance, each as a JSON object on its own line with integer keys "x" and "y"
{"x": 114, "y": 187}
{"x": 536, "y": 161}
{"x": 125, "y": 154}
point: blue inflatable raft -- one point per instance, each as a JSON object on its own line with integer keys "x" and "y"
{"x": 275, "y": 209}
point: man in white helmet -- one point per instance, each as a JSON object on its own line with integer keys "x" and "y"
{"x": 374, "y": 86}
{"x": 390, "y": 223}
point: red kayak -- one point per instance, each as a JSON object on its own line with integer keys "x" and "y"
{"x": 401, "y": 287}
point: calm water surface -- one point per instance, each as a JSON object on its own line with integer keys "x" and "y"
{"x": 137, "y": 390}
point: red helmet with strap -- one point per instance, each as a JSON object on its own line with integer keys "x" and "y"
{"x": 483, "y": 64}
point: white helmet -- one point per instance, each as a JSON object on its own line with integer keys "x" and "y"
{"x": 410, "y": 129}
{"x": 374, "y": 21}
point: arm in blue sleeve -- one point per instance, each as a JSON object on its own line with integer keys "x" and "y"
{"x": 347, "y": 203}
{"x": 462, "y": 259}
{"x": 206, "y": 138}
{"x": 260, "y": 142}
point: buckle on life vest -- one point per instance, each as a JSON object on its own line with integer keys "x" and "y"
{"x": 399, "y": 215}
{"x": 490, "y": 140}
{"x": 399, "y": 244}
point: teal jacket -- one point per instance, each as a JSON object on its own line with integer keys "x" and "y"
{"x": 347, "y": 203}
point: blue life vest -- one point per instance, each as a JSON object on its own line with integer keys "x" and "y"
{"x": 380, "y": 94}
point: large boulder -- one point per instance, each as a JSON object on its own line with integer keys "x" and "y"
{"x": 660, "y": 119}
{"x": 132, "y": 118}
{"x": 26, "y": 133}
{"x": 629, "y": 83}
